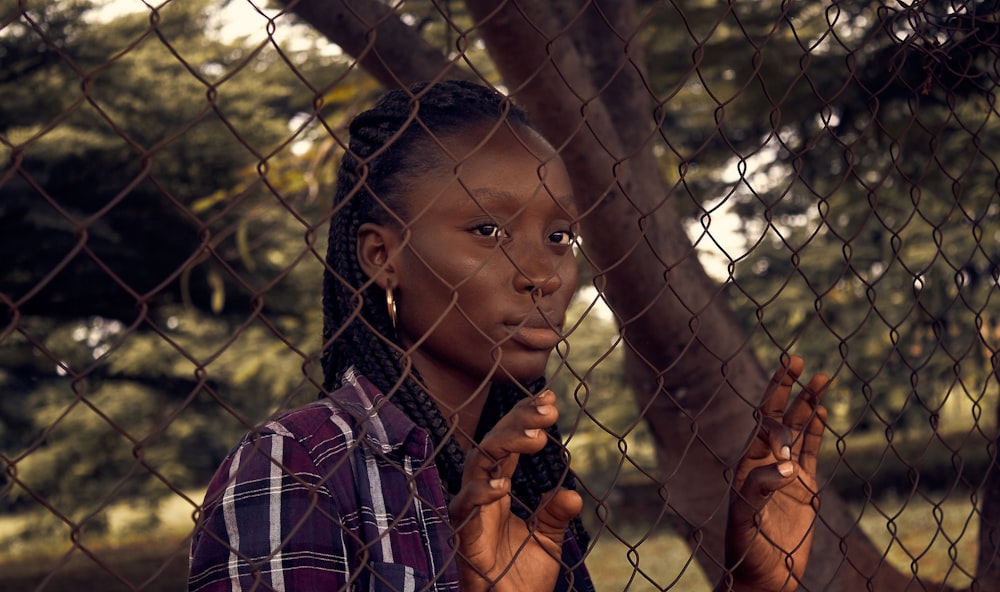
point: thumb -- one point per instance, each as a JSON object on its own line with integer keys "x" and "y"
{"x": 557, "y": 509}
{"x": 760, "y": 484}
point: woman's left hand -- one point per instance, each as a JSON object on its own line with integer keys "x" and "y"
{"x": 497, "y": 550}
{"x": 774, "y": 501}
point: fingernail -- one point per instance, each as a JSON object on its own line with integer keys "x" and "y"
{"x": 786, "y": 469}
{"x": 496, "y": 483}
{"x": 785, "y": 453}
{"x": 531, "y": 433}
{"x": 544, "y": 409}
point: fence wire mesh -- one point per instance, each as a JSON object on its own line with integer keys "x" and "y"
{"x": 752, "y": 180}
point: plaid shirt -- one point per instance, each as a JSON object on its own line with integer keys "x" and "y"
{"x": 342, "y": 494}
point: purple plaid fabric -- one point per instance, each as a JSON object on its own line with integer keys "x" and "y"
{"x": 342, "y": 494}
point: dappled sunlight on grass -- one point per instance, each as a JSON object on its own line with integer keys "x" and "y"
{"x": 132, "y": 553}
{"x": 932, "y": 539}
{"x": 648, "y": 563}
{"x": 158, "y": 565}
{"x": 937, "y": 542}
{"x": 38, "y": 534}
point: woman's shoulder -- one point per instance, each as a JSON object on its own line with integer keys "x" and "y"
{"x": 355, "y": 407}
{"x": 338, "y": 421}
{"x": 336, "y": 410}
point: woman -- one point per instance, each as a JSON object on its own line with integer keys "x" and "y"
{"x": 432, "y": 461}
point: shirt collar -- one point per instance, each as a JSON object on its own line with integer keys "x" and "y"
{"x": 385, "y": 425}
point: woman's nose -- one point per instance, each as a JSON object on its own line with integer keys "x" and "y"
{"x": 537, "y": 270}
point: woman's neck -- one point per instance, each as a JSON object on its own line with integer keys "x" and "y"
{"x": 459, "y": 398}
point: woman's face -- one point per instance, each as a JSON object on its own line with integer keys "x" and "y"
{"x": 483, "y": 282}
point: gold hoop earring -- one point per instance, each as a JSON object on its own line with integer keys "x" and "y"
{"x": 390, "y": 303}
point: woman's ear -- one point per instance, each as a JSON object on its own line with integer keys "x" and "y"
{"x": 377, "y": 249}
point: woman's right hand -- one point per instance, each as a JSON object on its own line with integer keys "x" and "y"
{"x": 497, "y": 550}
{"x": 774, "y": 501}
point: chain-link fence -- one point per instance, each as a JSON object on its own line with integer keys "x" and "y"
{"x": 751, "y": 180}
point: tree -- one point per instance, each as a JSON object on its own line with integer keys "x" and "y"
{"x": 104, "y": 171}
{"x": 581, "y": 70}
{"x": 140, "y": 231}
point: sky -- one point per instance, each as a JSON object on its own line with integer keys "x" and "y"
{"x": 236, "y": 19}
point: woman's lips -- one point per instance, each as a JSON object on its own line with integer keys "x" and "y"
{"x": 535, "y": 333}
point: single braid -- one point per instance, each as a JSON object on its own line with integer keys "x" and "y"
{"x": 357, "y": 332}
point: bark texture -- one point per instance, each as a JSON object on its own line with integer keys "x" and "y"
{"x": 388, "y": 49}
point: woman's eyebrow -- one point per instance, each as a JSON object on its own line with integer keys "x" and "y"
{"x": 486, "y": 197}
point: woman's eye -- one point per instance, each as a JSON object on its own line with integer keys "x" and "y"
{"x": 491, "y": 230}
{"x": 562, "y": 237}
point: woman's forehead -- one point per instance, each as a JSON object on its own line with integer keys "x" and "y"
{"x": 462, "y": 145}
{"x": 491, "y": 198}
{"x": 506, "y": 168}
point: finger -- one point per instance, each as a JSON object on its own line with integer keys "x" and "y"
{"x": 780, "y": 387}
{"x": 773, "y": 436}
{"x": 779, "y": 438}
{"x": 557, "y": 509}
{"x": 799, "y": 415}
{"x": 782, "y": 440}
{"x": 520, "y": 431}
{"x": 761, "y": 483}
{"x": 812, "y": 438}
{"x": 473, "y": 495}
{"x": 801, "y": 410}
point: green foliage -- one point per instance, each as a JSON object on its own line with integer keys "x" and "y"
{"x": 862, "y": 194}
{"x": 136, "y": 125}
{"x": 162, "y": 222}
{"x": 130, "y": 427}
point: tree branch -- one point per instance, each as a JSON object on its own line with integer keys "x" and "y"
{"x": 383, "y": 45}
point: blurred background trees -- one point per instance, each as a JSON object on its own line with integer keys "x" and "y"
{"x": 155, "y": 202}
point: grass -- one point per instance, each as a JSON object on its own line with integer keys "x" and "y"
{"x": 155, "y": 566}
{"x": 936, "y": 540}
{"x": 641, "y": 563}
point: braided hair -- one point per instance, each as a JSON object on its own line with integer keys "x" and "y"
{"x": 384, "y": 151}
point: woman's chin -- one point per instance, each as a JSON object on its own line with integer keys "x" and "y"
{"x": 522, "y": 371}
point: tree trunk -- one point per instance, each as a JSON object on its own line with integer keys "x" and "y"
{"x": 688, "y": 364}
{"x": 988, "y": 561}
{"x": 390, "y": 51}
